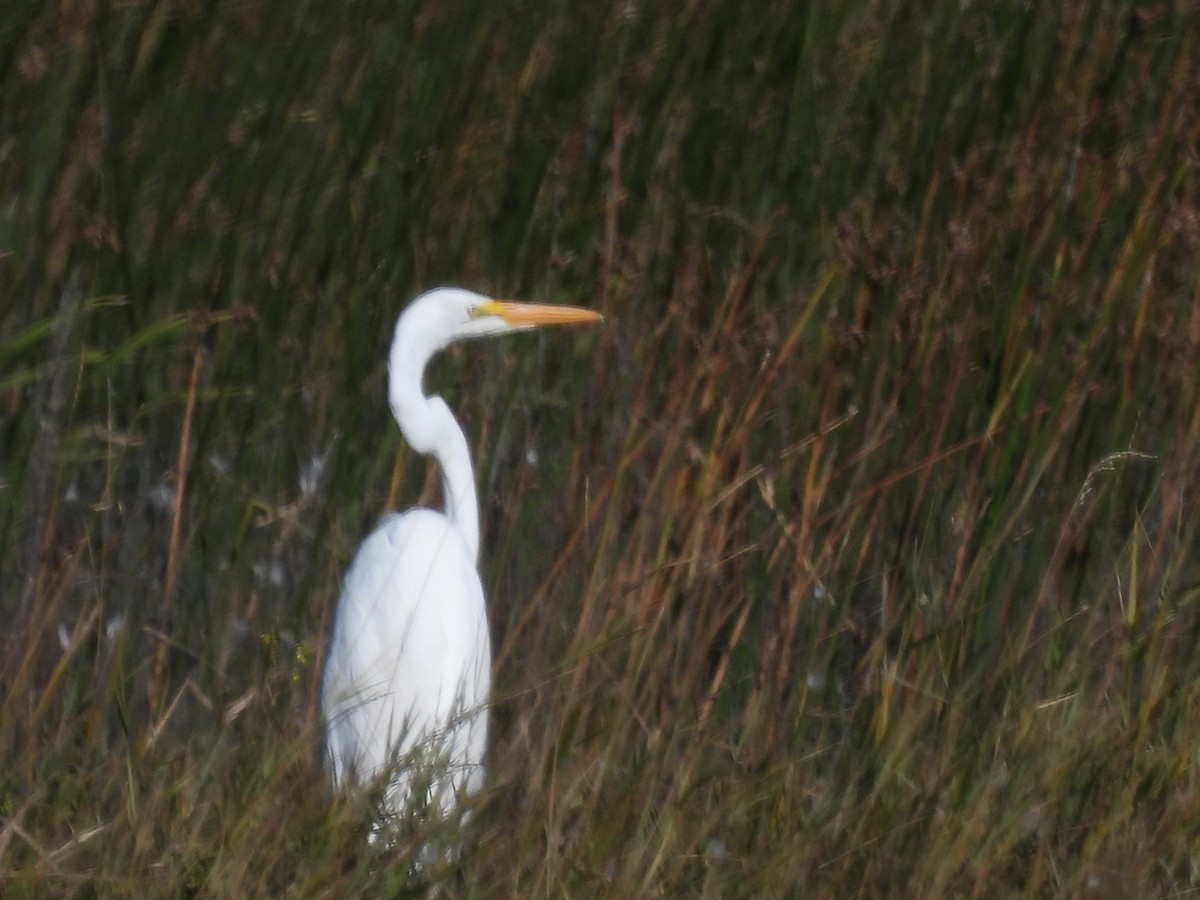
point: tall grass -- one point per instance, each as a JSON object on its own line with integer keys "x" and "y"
{"x": 855, "y": 556}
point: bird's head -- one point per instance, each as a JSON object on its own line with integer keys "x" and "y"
{"x": 442, "y": 316}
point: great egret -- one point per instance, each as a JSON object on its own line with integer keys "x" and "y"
{"x": 408, "y": 672}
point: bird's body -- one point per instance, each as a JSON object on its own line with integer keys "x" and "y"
{"x": 408, "y": 672}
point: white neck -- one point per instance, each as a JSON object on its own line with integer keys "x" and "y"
{"x": 431, "y": 429}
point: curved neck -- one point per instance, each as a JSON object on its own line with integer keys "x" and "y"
{"x": 431, "y": 429}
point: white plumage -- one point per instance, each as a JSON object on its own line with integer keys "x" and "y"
{"x": 408, "y": 672}
{"x": 409, "y": 665}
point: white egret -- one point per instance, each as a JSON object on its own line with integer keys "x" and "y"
{"x": 408, "y": 671}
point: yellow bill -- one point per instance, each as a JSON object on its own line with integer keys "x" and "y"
{"x": 526, "y": 315}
